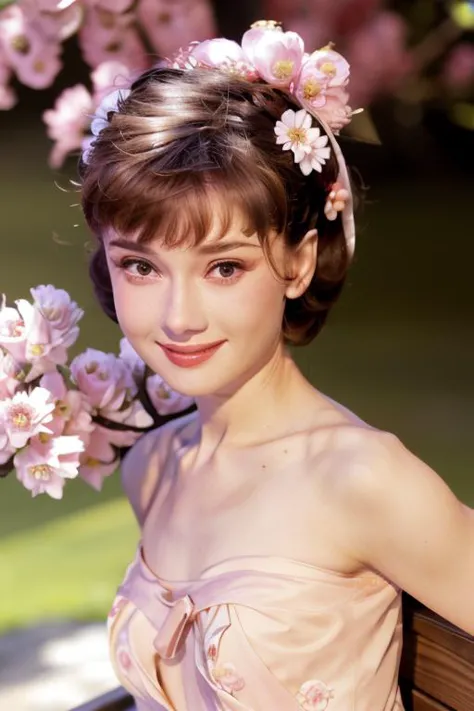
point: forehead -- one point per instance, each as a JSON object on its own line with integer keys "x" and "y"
{"x": 194, "y": 221}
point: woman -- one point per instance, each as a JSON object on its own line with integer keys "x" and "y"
{"x": 277, "y": 528}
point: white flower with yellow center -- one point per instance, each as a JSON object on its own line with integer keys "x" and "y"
{"x": 296, "y": 133}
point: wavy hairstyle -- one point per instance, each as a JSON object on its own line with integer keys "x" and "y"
{"x": 178, "y": 137}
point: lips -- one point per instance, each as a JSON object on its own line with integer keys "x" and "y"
{"x": 190, "y": 356}
{"x": 191, "y": 350}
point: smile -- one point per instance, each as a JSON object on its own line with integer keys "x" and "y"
{"x": 188, "y": 356}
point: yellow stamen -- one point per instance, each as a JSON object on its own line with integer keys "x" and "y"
{"x": 283, "y": 69}
{"x": 20, "y": 420}
{"x": 311, "y": 88}
{"x": 163, "y": 393}
{"x": 37, "y": 349}
{"x": 20, "y": 44}
{"x": 266, "y": 25}
{"x": 328, "y": 68}
{"x": 41, "y": 472}
{"x": 297, "y": 135}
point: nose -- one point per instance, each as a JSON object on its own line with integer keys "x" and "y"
{"x": 183, "y": 312}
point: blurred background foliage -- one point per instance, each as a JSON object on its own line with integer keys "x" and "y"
{"x": 398, "y": 348}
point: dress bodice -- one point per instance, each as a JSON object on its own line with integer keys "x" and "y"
{"x": 259, "y": 633}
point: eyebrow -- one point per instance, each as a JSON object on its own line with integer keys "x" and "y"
{"x": 213, "y": 248}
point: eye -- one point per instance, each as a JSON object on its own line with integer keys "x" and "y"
{"x": 136, "y": 268}
{"x": 227, "y": 271}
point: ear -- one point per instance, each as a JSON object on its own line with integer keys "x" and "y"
{"x": 303, "y": 259}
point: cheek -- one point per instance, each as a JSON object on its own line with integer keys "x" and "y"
{"x": 256, "y": 306}
{"x": 134, "y": 308}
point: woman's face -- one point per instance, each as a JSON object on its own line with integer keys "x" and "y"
{"x": 222, "y": 292}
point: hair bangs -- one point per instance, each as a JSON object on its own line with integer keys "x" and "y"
{"x": 184, "y": 208}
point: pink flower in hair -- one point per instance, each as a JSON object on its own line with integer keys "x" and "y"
{"x": 310, "y": 148}
{"x": 225, "y": 55}
{"x": 42, "y": 467}
{"x": 336, "y": 201}
{"x": 276, "y": 55}
{"x": 335, "y": 112}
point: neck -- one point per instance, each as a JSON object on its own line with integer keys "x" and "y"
{"x": 260, "y": 409}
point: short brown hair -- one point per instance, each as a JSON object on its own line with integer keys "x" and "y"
{"x": 179, "y": 135}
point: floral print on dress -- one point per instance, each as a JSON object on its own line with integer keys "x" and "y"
{"x": 124, "y": 659}
{"x": 314, "y": 695}
{"x": 119, "y": 602}
{"x": 228, "y": 678}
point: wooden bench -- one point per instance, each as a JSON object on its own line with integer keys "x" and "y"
{"x": 436, "y": 671}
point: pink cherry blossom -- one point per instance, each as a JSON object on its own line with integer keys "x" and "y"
{"x": 12, "y": 331}
{"x": 314, "y": 695}
{"x": 276, "y": 55}
{"x": 10, "y": 371}
{"x": 99, "y": 459}
{"x": 25, "y": 415}
{"x": 165, "y": 400}
{"x": 129, "y": 355}
{"x": 61, "y": 313}
{"x": 458, "y": 70}
{"x": 106, "y": 36}
{"x": 105, "y": 379}
{"x": 42, "y": 467}
{"x": 114, "y": 6}
{"x": 108, "y": 76}
{"x": 72, "y": 412}
{"x": 33, "y": 56}
{"x": 67, "y": 122}
{"x": 170, "y": 26}
{"x": 55, "y": 25}
{"x": 7, "y": 450}
{"x": 46, "y": 329}
{"x": 224, "y": 55}
{"x": 335, "y": 111}
{"x": 7, "y": 95}
{"x": 378, "y": 57}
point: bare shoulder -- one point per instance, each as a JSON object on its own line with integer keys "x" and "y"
{"x": 360, "y": 467}
{"x": 143, "y": 464}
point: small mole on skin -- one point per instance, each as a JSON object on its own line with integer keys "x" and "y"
{"x": 264, "y": 466}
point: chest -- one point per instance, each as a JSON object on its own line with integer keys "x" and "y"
{"x": 254, "y": 506}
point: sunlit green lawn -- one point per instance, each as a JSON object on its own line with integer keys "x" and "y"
{"x": 399, "y": 350}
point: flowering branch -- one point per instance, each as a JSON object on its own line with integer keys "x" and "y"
{"x": 59, "y": 420}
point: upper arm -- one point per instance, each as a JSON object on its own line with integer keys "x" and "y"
{"x": 140, "y": 471}
{"x": 408, "y": 525}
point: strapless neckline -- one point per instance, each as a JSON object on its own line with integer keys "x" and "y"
{"x": 275, "y": 564}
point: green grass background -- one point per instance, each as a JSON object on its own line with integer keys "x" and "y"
{"x": 398, "y": 350}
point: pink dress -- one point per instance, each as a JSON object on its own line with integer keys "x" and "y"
{"x": 259, "y": 633}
